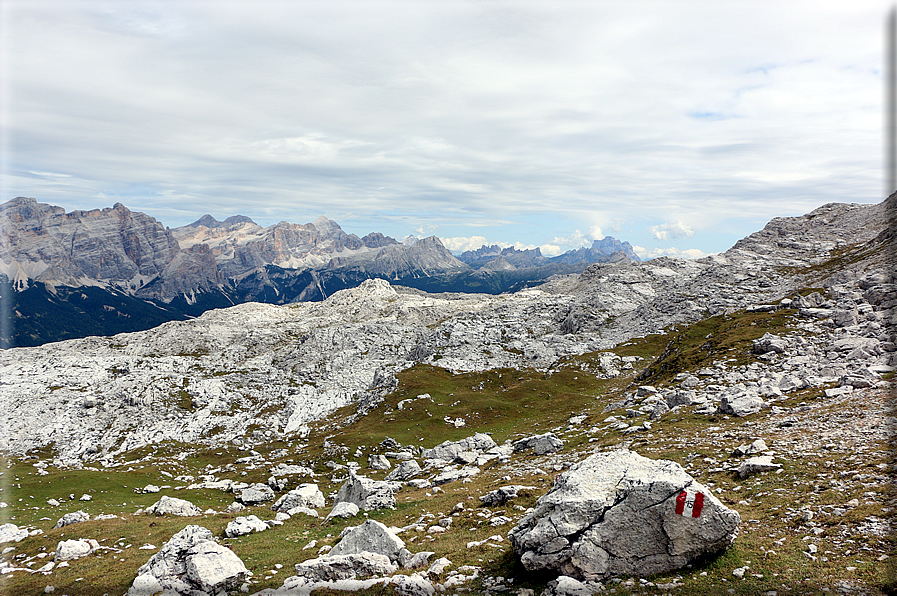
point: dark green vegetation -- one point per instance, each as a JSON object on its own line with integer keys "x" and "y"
{"x": 509, "y": 404}
{"x": 40, "y": 315}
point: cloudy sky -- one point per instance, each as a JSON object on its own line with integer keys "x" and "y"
{"x": 678, "y": 126}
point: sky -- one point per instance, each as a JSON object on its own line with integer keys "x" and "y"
{"x": 677, "y": 126}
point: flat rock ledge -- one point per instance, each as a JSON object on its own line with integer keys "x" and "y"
{"x": 619, "y": 513}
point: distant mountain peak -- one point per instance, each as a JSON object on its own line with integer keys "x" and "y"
{"x": 210, "y": 222}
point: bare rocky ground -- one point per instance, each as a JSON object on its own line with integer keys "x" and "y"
{"x": 766, "y": 373}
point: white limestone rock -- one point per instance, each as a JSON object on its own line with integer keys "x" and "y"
{"x": 378, "y": 462}
{"x": 305, "y": 495}
{"x": 173, "y": 506}
{"x": 368, "y": 494}
{"x": 619, "y": 513}
{"x": 67, "y": 550}
{"x": 406, "y": 470}
{"x": 255, "y": 494}
{"x": 13, "y": 533}
{"x": 371, "y": 536}
{"x": 344, "y": 510}
{"x": 214, "y": 568}
{"x": 74, "y": 517}
{"x": 337, "y": 567}
{"x": 190, "y": 560}
{"x": 761, "y": 463}
{"x": 244, "y": 525}
{"x": 412, "y": 585}
{"x": 540, "y": 444}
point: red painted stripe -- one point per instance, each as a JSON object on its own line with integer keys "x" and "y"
{"x": 699, "y": 505}
{"x": 680, "y": 502}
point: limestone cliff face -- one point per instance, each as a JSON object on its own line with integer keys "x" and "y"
{"x": 112, "y": 246}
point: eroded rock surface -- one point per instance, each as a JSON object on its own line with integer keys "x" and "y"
{"x": 619, "y": 513}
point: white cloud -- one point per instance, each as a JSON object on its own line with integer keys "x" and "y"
{"x": 461, "y": 244}
{"x": 550, "y": 250}
{"x": 463, "y": 112}
{"x": 670, "y": 230}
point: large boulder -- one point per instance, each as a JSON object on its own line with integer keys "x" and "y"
{"x": 368, "y": 494}
{"x": 619, "y": 513}
{"x": 337, "y": 567}
{"x": 191, "y": 561}
{"x": 67, "y": 550}
{"x": 75, "y": 517}
{"x": 174, "y": 506}
{"x": 244, "y": 525}
{"x": 13, "y": 533}
{"x": 305, "y": 495}
{"x": 404, "y": 471}
{"x": 255, "y": 494}
{"x": 741, "y": 404}
{"x": 371, "y": 536}
{"x": 539, "y": 444}
{"x": 214, "y": 568}
{"x": 449, "y": 450}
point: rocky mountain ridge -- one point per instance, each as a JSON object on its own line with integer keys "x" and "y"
{"x": 135, "y": 273}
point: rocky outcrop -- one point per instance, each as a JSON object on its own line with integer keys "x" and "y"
{"x": 115, "y": 246}
{"x": 173, "y": 506}
{"x": 244, "y": 525}
{"x": 371, "y": 536}
{"x": 366, "y": 493}
{"x": 67, "y": 550}
{"x": 190, "y": 560}
{"x": 619, "y": 513}
{"x": 337, "y": 567}
{"x": 305, "y": 495}
{"x": 75, "y": 517}
{"x": 539, "y": 444}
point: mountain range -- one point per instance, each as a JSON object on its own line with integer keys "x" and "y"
{"x": 114, "y": 270}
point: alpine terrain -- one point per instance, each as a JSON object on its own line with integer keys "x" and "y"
{"x": 108, "y": 271}
{"x": 338, "y": 418}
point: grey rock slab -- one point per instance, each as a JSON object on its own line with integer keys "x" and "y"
{"x": 305, "y": 495}
{"x": 503, "y": 494}
{"x": 412, "y": 585}
{"x": 371, "y": 536}
{"x": 173, "y": 506}
{"x": 378, "y": 462}
{"x": 539, "y": 444}
{"x": 337, "y": 567}
{"x": 762, "y": 463}
{"x": 214, "y": 568}
{"x": 619, "y": 513}
{"x": 74, "y": 517}
{"x": 13, "y": 533}
{"x": 770, "y": 343}
{"x": 344, "y": 510}
{"x": 449, "y": 450}
{"x": 453, "y": 475}
{"x": 404, "y": 471}
{"x": 741, "y": 404}
{"x": 244, "y": 525}
{"x": 368, "y": 494}
{"x": 256, "y": 493}
{"x": 67, "y": 550}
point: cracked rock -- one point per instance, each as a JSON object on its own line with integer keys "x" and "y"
{"x": 619, "y": 513}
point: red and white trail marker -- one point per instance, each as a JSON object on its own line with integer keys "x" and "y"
{"x": 689, "y": 503}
